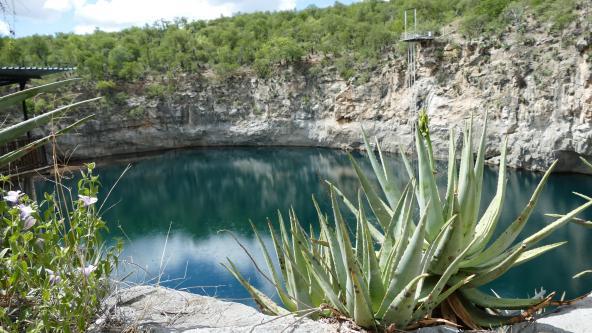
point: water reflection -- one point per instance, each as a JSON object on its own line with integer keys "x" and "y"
{"x": 180, "y": 260}
{"x": 200, "y": 192}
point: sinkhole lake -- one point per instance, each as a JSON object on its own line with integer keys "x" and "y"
{"x": 200, "y": 193}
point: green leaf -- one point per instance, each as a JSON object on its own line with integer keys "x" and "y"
{"x": 388, "y": 186}
{"x": 400, "y": 310}
{"x": 15, "y": 131}
{"x": 408, "y": 268}
{"x": 486, "y": 225}
{"x": 532, "y": 254}
{"x": 488, "y": 301}
{"x": 510, "y": 234}
{"x": 286, "y": 300}
{"x": 428, "y": 191}
{"x": 265, "y": 303}
{"x": 19, "y": 96}
{"x": 18, "y": 153}
{"x": 380, "y": 209}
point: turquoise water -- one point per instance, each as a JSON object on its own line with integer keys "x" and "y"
{"x": 200, "y": 193}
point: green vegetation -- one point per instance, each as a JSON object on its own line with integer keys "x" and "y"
{"x": 54, "y": 265}
{"x": 353, "y": 38}
{"x": 397, "y": 272}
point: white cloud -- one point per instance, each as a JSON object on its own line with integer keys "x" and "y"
{"x": 83, "y": 16}
{"x": 287, "y": 4}
{"x": 58, "y": 5}
{"x": 117, "y": 14}
{"x": 4, "y": 29}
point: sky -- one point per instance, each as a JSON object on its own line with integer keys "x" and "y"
{"x": 29, "y": 17}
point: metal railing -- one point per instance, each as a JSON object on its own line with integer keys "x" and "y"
{"x": 417, "y": 35}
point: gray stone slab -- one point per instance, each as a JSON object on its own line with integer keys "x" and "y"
{"x": 159, "y": 309}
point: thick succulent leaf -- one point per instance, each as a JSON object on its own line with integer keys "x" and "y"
{"x": 452, "y": 176}
{"x": 265, "y": 303}
{"x": 388, "y": 172}
{"x": 357, "y": 295}
{"x": 408, "y": 168}
{"x": 380, "y": 209}
{"x": 434, "y": 253}
{"x": 479, "y": 166}
{"x": 393, "y": 232}
{"x": 400, "y": 310}
{"x": 17, "y": 130}
{"x": 347, "y": 252}
{"x": 449, "y": 251}
{"x": 363, "y": 314}
{"x": 360, "y": 240}
{"x": 490, "y": 301}
{"x": 298, "y": 280}
{"x": 335, "y": 249}
{"x": 324, "y": 281}
{"x": 392, "y": 262}
{"x": 388, "y": 185}
{"x": 509, "y": 235}
{"x": 467, "y": 183}
{"x": 582, "y": 273}
{"x": 428, "y": 191}
{"x": 491, "y": 273}
{"x": 550, "y": 228}
{"x": 485, "y": 319}
{"x": 408, "y": 268}
{"x": 532, "y": 254}
{"x": 575, "y": 220}
{"x": 19, "y": 96}
{"x": 588, "y": 164}
{"x": 372, "y": 269}
{"x": 431, "y": 301}
{"x": 376, "y": 234}
{"x": 301, "y": 242}
{"x": 277, "y": 245}
{"x": 450, "y": 290}
{"x": 486, "y": 225}
{"x": 20, "y": 152}
{"x": 277, "y": 283}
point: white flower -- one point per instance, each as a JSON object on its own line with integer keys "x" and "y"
{"x": 25, "y": 210}
{"x": 13, "y": 196}
{"x": 26, "y": 217}
{"x": 53, "y": 278}
{"x": 87, "y": 270}
{"x": 29, "y": 222}
{"x": 86, "y": 200}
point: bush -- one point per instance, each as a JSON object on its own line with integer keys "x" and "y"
{"x": 156, "y": 91}
{"x": 54, "y": 266}
{"x": 106, "y": 87}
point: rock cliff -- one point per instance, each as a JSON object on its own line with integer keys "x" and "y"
{"x": 535, "y": 86}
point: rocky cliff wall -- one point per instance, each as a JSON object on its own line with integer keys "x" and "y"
{"x": 534, "y": 86}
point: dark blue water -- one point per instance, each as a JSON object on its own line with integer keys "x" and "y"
{"x": 200, "y": 193}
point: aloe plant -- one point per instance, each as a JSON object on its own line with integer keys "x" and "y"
{"x": 398, "y": 271}
{"x": 12, "y": 132}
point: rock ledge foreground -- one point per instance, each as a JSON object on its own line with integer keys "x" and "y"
{"x": 159, "y": 309}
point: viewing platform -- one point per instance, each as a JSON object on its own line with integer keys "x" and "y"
{"x": 12, "y": 75}
{"x": 417, "y": 36}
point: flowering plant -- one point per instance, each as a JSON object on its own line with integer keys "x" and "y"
{"x": 55, "y": 264}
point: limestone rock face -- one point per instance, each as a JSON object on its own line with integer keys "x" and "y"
{"x": 534, "y": 84}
